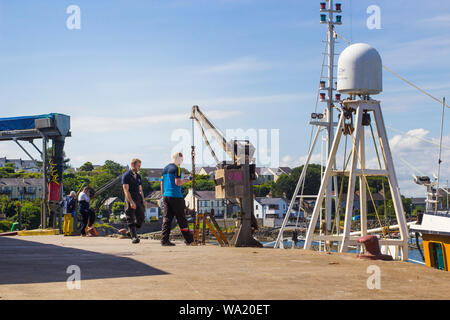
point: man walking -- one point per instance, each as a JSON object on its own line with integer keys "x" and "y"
{"x": 173, "y": 201}
{"x": 134, "y": 196}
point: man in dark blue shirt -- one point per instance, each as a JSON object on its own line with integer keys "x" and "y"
{"x": 134, "y": 197}
{"x": 173, "y": 201}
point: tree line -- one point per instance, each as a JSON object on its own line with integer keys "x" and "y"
{"x": 97, "y": 177}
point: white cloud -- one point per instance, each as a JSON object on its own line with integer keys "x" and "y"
{"x": 408, "y": 142}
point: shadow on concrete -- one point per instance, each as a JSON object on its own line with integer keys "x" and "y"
{"x": 23, "y": 262}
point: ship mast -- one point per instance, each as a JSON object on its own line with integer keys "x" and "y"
{"x": 330, "y": 87}
{"x": 327, "y": 86}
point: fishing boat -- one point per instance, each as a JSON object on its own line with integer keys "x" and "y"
{"x": 434, "y": 227}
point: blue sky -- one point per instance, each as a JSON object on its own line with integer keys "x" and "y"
{"x": 130, "y": 75}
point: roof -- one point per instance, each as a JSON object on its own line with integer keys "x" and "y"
{"x": 155, "y": 195}
{"x": 419, "y": 200}
{"x": 20, "y": 182}
{"x": 286, "y": 170}
{"x": 208, "y": 170}
{"x": 22, "y": 163}
{"x": 261, "y": 171}
{"x": 205, "y": 195}
{"x": 267, "y": 200}
{"x": 111, "y": 200}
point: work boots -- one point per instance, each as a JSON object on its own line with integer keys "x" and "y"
{"x": 133, "y": 234}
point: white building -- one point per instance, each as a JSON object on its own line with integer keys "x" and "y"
{"x": 19, "y": 164}
{"x": 153, "y": 174}
{"x": 208, "y": 171}
{"x": 205, "y": 202}
{"x": 269, "y": 207}
{"x": 152, "y": 211}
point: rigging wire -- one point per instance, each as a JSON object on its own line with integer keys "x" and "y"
{"x": 380, "y": 167}
{"x": 440, "y": 151}
{"x": 311, "y": 134}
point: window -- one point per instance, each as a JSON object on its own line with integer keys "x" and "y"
{"x": 437, "y": 255}
{"x": 256, "y": 207}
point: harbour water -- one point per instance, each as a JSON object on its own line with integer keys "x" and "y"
{"x": 413, "y": 254}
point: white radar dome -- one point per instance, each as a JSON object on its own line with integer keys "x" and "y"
{"x": 359, "y": 70}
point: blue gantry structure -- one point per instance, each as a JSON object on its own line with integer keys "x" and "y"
{"x": 54, "y": 127}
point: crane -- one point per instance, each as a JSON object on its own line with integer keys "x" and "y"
{"x": 233, "y": 180}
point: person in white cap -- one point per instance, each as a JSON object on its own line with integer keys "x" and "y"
{"x": 69, "y": 205}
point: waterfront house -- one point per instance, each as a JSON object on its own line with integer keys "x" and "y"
{"x": 21, "y": 189}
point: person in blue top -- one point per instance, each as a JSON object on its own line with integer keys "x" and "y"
{"x": 173, "y": 201}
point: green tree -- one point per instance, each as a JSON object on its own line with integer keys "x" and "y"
{"x": 146, "y": 185}
{"x": 31, "y": 215}
{"x": 113, "y": 168}
{"x": 86, "y": 167}
{"x": 263, "y": 189}
{"x": 118, "y": 208}
{"x": 7, "y": 206}
{"x": 287, "y": 183}
{"x": 7, "y": 170}
{"x": 407, "y": 205}
{"x": 202, "y": 183}
{"x": 417, "y": 210}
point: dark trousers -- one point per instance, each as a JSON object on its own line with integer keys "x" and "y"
{"x": 174, "y": 207}
{"x": 88, "y": 219}
{"x": 135, "y": 217}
